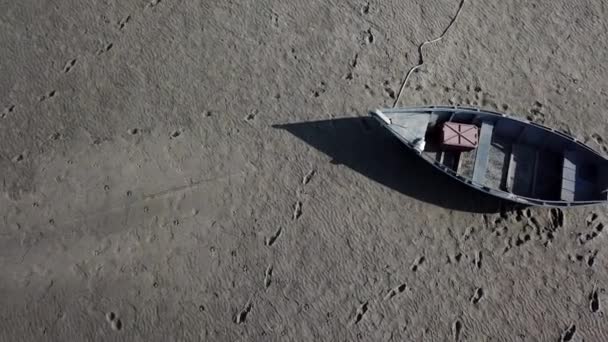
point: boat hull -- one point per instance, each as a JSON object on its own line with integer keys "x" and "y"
{"x": 389, "y": 118}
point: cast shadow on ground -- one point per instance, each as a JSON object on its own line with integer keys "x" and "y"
{"x": 362, "y": 145}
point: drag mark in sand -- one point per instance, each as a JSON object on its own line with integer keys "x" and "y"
{"x": 420, "y": 54}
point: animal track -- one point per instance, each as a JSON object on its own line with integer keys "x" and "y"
{"x": 596, "y": 229}
{"x": 591, "y": 218}
{"x": 535, "y": 114}
{"x": 395, "y": 291}
{"x": 242, "y": 315}
{"x": 308, "y": 176}
{"x": 123, "y": 22}
{"x": 367, "y": 37}
{"x": 361, "y": 310}
{"x": 477, "y": 259}
{"x": 268, "y": 276}
{"x": 353, "y": 65}
{"x": 594, "y": 302}
{"x": 556, "y": 217}
{"x": 469, "y": 231}
{"x": 588, "y": 258}
{"x": 47, "y": 96}
{"x": 477, "y": 295}
{"x": 388, "y": 90}
{"x": 320, "y": 90}
{"x": 105, "y": 49}
{"x": 7, "y": 111}
{"x": 273, "y": 238}
{"x": 69, "y": 65}
{"x": 365, "y": 8}
{"x": 114, "y": 321}
{"x": 417, "y": 263}
{"x": 568, "y": 334}
{"x": 275, "y": 19}
{"x": 153, "y": 3}
{"x": 456, "y": 330}
{"x": 600, "y": 141}
{"x": 297, "y": 211}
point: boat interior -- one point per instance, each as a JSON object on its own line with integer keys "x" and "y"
{"x": 522, "y": 158}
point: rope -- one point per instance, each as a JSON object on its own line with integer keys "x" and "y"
{"x": 420, "y": 56}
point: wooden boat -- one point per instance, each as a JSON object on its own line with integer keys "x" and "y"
{"x": 507, "y": 157}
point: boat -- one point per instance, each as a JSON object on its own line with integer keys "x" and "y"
{"x": 504, "y": 156}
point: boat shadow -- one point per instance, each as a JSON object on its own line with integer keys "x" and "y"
{"x": 361, "y": 144}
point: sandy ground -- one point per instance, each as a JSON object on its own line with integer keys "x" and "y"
{"x": 201, "y": 170}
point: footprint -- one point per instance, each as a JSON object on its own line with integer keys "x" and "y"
{"x": 268, "y": 276}
{"x": 568, "y": 334}
{"x": 594, "y": 302}
{"x": 242, "y": 315}
{"x": 417, "y": 263}
{"x": 395, "y": 291}
{"x": 361, "y": 310}
{"x": 308, "y": 176}
{"x": 273, "y": 238}
{"x": 477, "y": 295}
{"x": 69, "y": 65}
{"x": 297, "y": 211}
{"x": 456, "y": 330}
